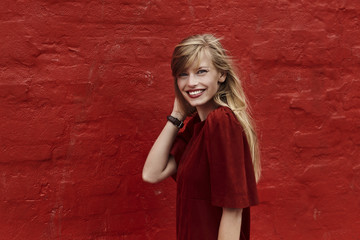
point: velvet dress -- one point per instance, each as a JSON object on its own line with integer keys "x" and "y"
{"x": 214, "y": 170}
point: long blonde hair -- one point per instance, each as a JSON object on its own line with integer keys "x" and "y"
{"x": 230, "y": 93}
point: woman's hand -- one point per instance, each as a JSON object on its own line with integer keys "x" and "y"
{"x": 178, "y": 110}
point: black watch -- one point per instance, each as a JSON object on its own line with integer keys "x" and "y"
{"x": 179, "y": 124}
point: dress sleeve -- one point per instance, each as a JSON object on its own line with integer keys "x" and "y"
{"x": 232, "y": 175}
{"x": 180, "y": 143}
{"x": 179, "y": 146}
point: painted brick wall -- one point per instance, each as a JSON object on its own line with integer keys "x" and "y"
{"x": 85, "y": 87}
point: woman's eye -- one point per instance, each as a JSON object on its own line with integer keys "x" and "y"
{"x": 183, "y": 74}
{"x": 201, "y": 71}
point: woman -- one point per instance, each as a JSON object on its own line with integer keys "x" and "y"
{"x": 215, "y": 160}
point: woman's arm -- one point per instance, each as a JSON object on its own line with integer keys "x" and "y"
{"x": 159, "y": 164}
{"x": 230, "y": 224}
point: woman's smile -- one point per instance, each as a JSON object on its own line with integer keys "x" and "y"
{"x": 195, "y": 93}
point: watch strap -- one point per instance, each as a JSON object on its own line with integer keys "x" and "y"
{"x": 179, "y": 124}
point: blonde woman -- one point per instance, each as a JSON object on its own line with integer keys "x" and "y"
{"x": 215, "y": 160}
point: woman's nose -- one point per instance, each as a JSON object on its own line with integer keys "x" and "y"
{"x": 192, "y": 81}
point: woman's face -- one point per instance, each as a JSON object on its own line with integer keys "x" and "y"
{"x": 200, "y": 82}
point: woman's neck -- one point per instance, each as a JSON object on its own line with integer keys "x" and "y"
{"x": 205, "y": 109}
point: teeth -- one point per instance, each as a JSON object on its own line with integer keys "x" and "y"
{"x": 195, "y": 92}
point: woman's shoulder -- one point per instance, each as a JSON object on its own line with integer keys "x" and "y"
{"x": 223, "y": 118}
{"x": 221, "y": 113}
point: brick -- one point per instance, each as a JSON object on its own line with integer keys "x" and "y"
{"x": 25, "y": 153}
{"x": 14, "y": 92}
{"x": 34, "y": 130}
{"x": 314, "y": 140}
{"x": 20, "y": 50}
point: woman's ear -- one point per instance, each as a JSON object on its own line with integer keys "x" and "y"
{"x": 222, "y": 77}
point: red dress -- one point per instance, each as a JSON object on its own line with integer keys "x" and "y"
{"x": 214, "y": 171}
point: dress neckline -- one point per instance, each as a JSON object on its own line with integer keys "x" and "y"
{"x": 197, "y": 117}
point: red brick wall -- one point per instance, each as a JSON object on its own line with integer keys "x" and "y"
{"x": 85, "y": 87}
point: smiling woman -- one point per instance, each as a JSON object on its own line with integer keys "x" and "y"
{"x": 215, "y": 160}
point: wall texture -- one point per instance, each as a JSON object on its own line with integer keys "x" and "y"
{"x": 85, "y": 87}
